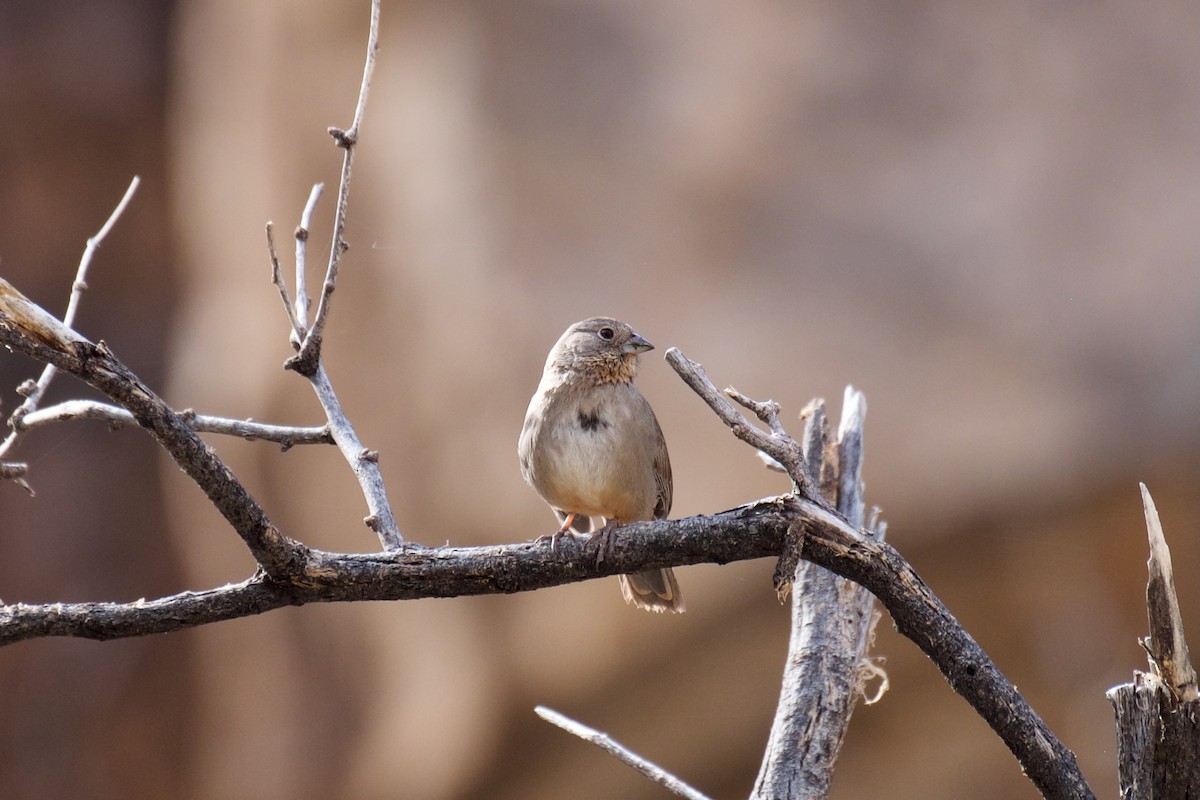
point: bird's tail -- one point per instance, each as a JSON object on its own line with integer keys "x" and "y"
{"x": 655, "y": 590}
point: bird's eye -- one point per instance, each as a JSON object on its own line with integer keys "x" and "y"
{"x": 606, "y": 334}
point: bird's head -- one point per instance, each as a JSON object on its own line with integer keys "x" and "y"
{"x": 600, "y": 349}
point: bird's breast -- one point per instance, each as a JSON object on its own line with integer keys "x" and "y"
{"x": 584, "y": 457}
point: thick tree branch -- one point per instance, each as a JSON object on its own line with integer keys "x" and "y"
{"x": 416, "y": 572}
{"x": 920, "y": 616}
{"x": 302, "y": 576}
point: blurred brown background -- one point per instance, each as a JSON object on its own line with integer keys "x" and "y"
{"x": 984, "y": 217}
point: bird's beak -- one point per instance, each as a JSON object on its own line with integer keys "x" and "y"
{"x": 637, "y": 344}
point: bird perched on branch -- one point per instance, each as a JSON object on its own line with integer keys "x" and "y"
{"x": 591, "y": 446}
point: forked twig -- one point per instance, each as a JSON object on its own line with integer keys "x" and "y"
{"x": 305, "y": 361}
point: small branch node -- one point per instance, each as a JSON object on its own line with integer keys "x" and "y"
{"x": 344, "y": 139}
{"x": 306, "y": 361}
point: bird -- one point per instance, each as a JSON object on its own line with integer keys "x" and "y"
{"x": 592, "y": 447}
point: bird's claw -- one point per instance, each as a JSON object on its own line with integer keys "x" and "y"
{"x": 553, "y": 538}
{"x": 605, "y": 538}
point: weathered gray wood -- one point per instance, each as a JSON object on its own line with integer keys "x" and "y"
{"x": 916, "y": 611}
{"x": 831, "y": 623}
{"x": 1158, "y": 714}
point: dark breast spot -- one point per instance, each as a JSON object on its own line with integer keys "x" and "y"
{"x": 591, "y": 420}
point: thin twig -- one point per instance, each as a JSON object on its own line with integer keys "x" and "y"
{"x": 286, "y": 435}
{"x": 27, "y": 328}
{"x": 34, "y": 396}
{"x": 278, "y": 282}
{"x": 302, "y": 233}
{"x": 364, "y": 462}
{"x": 777, "y": 444}
{"x": 368, "y": 70}
{"x": 308, "y": 361}
{"x": 93, "y": 244}
{"x": 305, "y": 362}
{"x": 623, "y": 754}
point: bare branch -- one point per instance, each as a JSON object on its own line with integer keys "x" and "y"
{"x": 832, "y": 621}
{"x": 751, "y": 531}
{"x": 415, "y": 572}
{"x": 919, "y": 615}
{"x": 623, "y": 754}
{"x": 278, "y": 283}
{"x": 368, "y": 70}
{"x": 93, "y": 244}
{"x": 302, "y": 233}
{"x": 34, "y": 395}
{"x": 27, "y": 328}
{"x": 364, "y": 462}
{"x": 286, "y": 435}
{"x": 778, "y": 445}
{"x": 305, "y": 362}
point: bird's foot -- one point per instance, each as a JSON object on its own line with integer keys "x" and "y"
{"x": 605, "y": 537}
{"x": 554, "y": 538}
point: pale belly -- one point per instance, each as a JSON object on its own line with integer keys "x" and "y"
{"x": 585, "y": 473}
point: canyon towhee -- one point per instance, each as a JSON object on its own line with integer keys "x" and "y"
{"x": 591, "y": 446}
